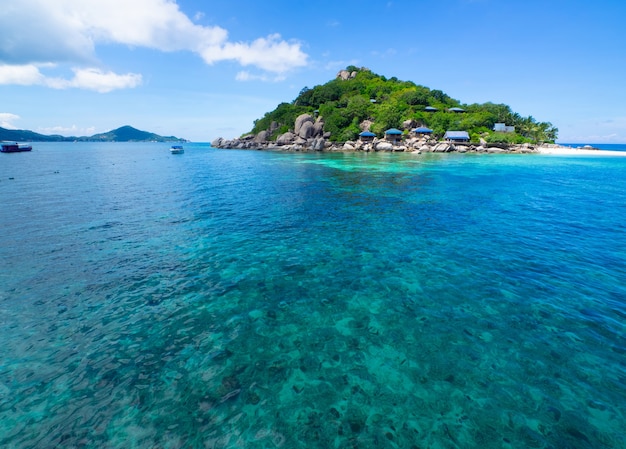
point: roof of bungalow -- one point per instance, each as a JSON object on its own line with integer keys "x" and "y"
{"x": 393, "y": 131}
{"x": 422, "y": 130}
{"x": 456, "y": 135}
{"x": 456, "y": 110}
{"x": 430, "y": 109}
{"x": 367, "y": 134}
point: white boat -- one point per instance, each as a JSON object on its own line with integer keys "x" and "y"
{"x": 177, "y": 149}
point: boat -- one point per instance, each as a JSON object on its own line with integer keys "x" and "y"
{"x": 14, "y": 147}
{"x": 177, "y": 149}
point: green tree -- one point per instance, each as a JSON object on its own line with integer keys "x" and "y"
{"x": 346, "y": 103}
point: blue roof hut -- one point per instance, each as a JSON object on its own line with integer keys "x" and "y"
{"x": 457, "y": 110}
{"x": 430, "y": 109}
{"x": 456, "y": 136}
{"x": 393, "y": 135}
{"x": 366, "y": 136}
{"x": 422, "y": 131}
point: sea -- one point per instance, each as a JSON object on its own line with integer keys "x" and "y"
{"x": 259, "y": 299}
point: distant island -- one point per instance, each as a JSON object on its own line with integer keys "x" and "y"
{"x": 122, "y": 134}
{"x": 360, "y": 110}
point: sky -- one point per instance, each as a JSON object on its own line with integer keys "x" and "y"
{"x": 202, "y": 69}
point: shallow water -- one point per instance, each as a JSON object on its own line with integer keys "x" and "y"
{"x": 222, "y": 299}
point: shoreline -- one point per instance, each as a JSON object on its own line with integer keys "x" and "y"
{"x": 559, "y": 150}
{"x": 414, "y": 146}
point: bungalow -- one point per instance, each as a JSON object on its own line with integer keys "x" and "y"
{"x": 430, "y": 109}
{"x": 422, "y": 131}
{"x": 456, "y": 136}
{"x": 366, "y": 136}
{"x": 457, "y": 110}
{"x": 393, "y": 135}
{"x": 502, "y": 128}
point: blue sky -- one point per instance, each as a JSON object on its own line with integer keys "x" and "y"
{"x": 204, "y": 69}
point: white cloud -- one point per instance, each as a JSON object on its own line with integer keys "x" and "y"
{"x": 94, "y": 79}
{"x": 24, "y": 75}
{"x": 270, "y": 54}
{"x": 68, "y": 131}
{"x": 89, "y": 78}
{"x": 7, "y": 119}
{"x": 69, "y": 31}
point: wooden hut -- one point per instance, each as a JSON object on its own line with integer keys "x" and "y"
{"x": 456, "y": 136}
{"x": 422, "y": 131}
{"x": 393, "y": 135}
{"x": 367, "y": 136}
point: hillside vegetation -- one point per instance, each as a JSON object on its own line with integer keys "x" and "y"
{"x": 367, "y": 101}
{"x": 122, "y": 134}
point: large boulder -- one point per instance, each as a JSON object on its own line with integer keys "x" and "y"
{"x": 343, "y": 74}
{"x": 306, "y": 130}
{"x": 443, "y": 147}
{"x": 285, "y": 139}
{"x": 383, "y": 146}
{"x": 318, "y": 127}
{"x": 301, "y": 120}
{"x": 262, "y": 136}
{"x": 365, "y": 125}
{"x": 409, "y": 124}
{"x": 217, "y": 142}
{"x": 318, "y": 144}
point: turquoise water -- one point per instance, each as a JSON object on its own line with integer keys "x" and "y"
{"x": 228, "y": 299}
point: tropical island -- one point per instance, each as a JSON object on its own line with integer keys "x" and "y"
{"x": 362, "y": 111}
{"x": 122, "y": 134}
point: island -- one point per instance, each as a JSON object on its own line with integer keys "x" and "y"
{"x": 359, "y": 110}
{"x": 122, "y": 134}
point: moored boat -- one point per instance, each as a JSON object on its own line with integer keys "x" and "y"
{"x": 14, "y": 147}
{"x": 176, "y": 149}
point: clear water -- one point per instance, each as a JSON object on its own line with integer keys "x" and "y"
{"x": 228, "y": 299}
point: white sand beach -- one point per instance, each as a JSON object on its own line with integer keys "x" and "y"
{"x": 569, "y": 151}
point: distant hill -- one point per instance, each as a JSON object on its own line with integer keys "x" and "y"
{"x": 19, "y": 135}
{"x": 123, "y": 134}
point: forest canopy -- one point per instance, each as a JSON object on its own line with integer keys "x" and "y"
{"x": 345, "y": 104}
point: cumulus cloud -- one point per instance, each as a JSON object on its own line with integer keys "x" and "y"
{"x": 68, "y": 131}
{"x": 94, "y": 79}
{"x": 69, "y": 32}
{"x": 7, "y": 119}
{"x": 89, "y": 78}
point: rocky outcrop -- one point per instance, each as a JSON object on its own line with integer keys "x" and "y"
{"x": 308, "y": 135}
{"x": 365, "y": 125}
{"x": 345, "y": 75}
{"x": 286, "y": 138}
{"x": 262, "y": 137}
{"x": 300, "y": 121}
{"x": 383, "y": 145}
{"x": 409, "y": 124}
{"x": 318, "y": 127}
{"x": 290, "y": 141}
{"x": 443, "y": 147}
